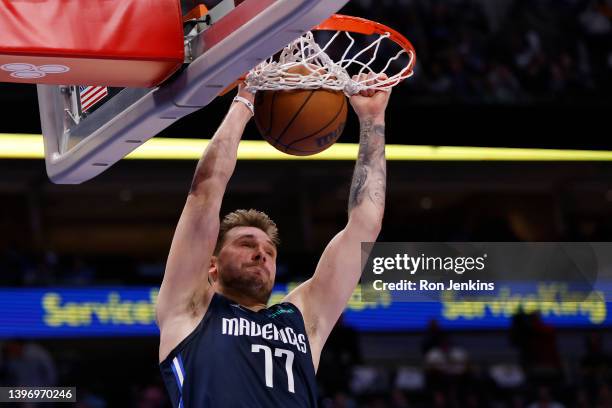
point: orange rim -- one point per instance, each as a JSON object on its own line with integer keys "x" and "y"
{"x": 196, "y": 13}
{"x": 340, "y": 22}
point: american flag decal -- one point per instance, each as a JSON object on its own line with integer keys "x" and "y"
{"x": 90, "y": 95}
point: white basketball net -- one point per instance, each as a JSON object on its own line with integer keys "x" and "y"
{"x": 322, "y": 71}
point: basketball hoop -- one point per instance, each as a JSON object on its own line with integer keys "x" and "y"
{"x": 324, "y": 69}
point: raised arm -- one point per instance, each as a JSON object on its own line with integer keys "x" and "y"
{"x": 323, "y": 297}
{"x": 185, "y": 292}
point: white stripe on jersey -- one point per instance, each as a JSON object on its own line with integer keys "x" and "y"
{"x": 180, "y": 373}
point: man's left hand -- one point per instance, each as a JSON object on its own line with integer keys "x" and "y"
{"x": 370, "y": 103}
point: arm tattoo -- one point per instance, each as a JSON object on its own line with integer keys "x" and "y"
{"x": 369, "y": 178}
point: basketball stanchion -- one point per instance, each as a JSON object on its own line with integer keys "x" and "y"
{"x": 163, "y": 60}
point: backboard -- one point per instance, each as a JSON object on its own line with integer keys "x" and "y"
{"x": 233, "y": 38}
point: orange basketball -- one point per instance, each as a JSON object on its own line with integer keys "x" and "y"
{"x": 301, "y": 122}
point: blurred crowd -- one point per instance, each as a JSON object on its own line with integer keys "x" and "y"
{"x": 503, "y": 51}
{"x": 447, "y": 374}
{"x": 452, "y": 375}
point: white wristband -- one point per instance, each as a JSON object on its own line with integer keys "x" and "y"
{"x": 246, "y": 102}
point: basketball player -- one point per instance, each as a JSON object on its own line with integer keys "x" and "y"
{"x": 220, "y": 346}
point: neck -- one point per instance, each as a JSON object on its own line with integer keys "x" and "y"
{"x": 241, "y": 299}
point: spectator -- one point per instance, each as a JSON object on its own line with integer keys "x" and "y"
{"x": 340, "y": 354}
{"x": 595, "y": 365}
{"x": 545, "y": 400}
{"x": 151, "y": 396}
{"x": 433, "y": 337}
{"x": 28, "y": 364}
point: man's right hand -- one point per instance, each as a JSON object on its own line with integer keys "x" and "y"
{"x": 248, "y": 95}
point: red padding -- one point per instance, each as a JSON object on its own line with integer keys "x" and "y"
{"x": 131, "y": 43}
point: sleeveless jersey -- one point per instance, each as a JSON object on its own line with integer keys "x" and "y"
{"x": 238, "y": 358}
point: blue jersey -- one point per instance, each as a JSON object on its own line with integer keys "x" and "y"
{"x": 239, "y": 358}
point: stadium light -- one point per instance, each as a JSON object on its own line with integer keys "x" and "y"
{"x": 27, "y": 146}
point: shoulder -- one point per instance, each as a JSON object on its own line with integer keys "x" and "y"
{"x": 288, "y": 312}
{"x": 284, "y": 307}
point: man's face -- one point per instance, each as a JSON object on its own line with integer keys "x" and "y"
{"x": 247, "y": 263}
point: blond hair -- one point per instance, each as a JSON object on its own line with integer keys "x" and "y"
{"x": 247, "y": 218}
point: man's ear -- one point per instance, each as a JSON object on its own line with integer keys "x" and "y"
{"x": 213, "y": 272}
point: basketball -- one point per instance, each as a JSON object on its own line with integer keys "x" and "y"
{"x": 301, "y": 122}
